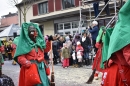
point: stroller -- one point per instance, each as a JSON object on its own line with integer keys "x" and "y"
{"x": 6, "y": 81}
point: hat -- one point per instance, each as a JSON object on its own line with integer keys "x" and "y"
{"x": 78, "y": 43}
{"x": 95, "y": 22}
{"x": 67, "y": 38}
{"x": 46, "y": 37}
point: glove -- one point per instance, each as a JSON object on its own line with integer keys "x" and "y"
{"x": 110, "y": 62}
{"x": 28, "y": 64}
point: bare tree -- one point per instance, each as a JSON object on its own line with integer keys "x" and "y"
{"x": 26, "y": 4}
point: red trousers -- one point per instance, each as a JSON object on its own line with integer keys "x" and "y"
{"x": 66, "y": 62}
{"x": 112, "y": 77}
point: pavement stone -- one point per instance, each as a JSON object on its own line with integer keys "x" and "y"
{"x": 63, "y": 76}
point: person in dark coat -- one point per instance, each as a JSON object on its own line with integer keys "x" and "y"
{"x": 55, "y": 48}
{"x": 86, "y": 44}
{"x": 107, "y": 7}
{"x": 94, "y": 32}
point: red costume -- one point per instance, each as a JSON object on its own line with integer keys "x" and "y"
{"x": 118, "y": 71}
{"x": 48, "y": 46}
{"x": 97, "y": 59}
{"x": 32, "y": 55}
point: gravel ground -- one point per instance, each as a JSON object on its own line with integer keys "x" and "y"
{"x": 63, "y": 76}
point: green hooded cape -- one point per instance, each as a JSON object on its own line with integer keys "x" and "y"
{"x": 0, "y": 43}
{"x": 16, "y": 39}
{"x": 25, "y": 44}
{"x": 106, "y": 46}
{"x": 100, "y": 33}
{"x": 120, "y": 36}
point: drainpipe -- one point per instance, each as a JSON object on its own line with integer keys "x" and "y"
{"x": 19, "y": 15}
{"x": 54, "y": 6}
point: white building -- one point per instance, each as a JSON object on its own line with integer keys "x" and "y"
{"x": 61, "y": 16}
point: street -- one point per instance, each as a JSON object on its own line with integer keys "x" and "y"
{"x": 63, "y": 77}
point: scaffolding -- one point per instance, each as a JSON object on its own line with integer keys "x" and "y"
{"x": 89, "y": 3}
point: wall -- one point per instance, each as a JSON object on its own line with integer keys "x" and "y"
{"x": 30, "y": 15}
{"x": 8, "y": 21}
{"x": 48, "y": 28}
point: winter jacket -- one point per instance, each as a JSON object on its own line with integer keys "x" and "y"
{"x": 79, "y": 48}
{"x": 86, "y": 44}
{"x": 65, "y": 53}
{"x": 94, "y": 32}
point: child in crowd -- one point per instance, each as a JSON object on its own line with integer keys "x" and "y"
{"x": 66, "y": 55}
{"x": 74, "y": 56}
{"x": 79, "y": 50}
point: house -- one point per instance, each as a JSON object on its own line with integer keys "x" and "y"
{"x": 7, "y": 20}
{"x": 62, "y": 16}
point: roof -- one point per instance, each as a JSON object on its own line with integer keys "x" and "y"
{"x": 9, "y": 31}
{"x": 26, "y": 1}
{"x": 9, "y": 15}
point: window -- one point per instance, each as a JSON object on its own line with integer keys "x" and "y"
{"x": 67, "y": 26}
{"x": 43, "y": 7}
{"x": 60, "y": 26}
{"x": 75, "y": 24}
{"x": 67, "y": 3}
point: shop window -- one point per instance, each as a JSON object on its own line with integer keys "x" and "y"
{"x": 43, "y": 7}
{"x": 67, "y": 4}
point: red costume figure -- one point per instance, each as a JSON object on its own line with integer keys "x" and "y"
{"x": 48, "y": 48}
{"x": 118, "y": 71}
{"x": 29, "y": 51}
{"x": 116, "y": 51}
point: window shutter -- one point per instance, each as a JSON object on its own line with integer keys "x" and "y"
{"x": 58, "y": 5}
{"x": 35, "y": 9}
{"x": 77, "y": 3}
{"x": 51, "y": 5}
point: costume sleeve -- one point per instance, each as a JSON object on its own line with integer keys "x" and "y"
{"x": 126, "y": 53}
{"x": 1, "y": 48}
{"x": 22, "y": 60}
{"x": 97, "y": 45}
{"x": 48, "y": 47}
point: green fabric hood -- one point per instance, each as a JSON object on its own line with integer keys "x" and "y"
{"x": 0, "y": 43}
{"x": 106, "y": 46}
{"x": 16, "y": 39}
{"x": 120, "y": 36}
{"x": 100, "y": 33}
{"x": 25, "y": 44}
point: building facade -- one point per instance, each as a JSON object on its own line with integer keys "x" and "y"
{"x": 7, "y": 20}
{"x": 61, "y": 16}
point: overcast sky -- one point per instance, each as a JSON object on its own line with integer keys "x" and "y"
{"x": 6, "y": 7}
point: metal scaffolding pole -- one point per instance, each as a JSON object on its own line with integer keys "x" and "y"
{"x": 80, "y": 16}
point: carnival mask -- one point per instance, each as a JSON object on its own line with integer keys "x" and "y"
{"x": 32, "y": 33}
